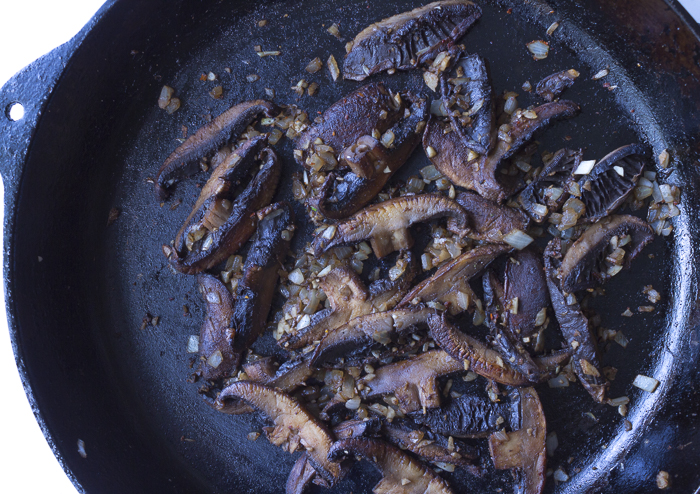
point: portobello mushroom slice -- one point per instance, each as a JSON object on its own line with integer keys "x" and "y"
{"x": 403, "y": 41}
{"x": 602, "y": 251}
{"x": 413, "y": 381}
{"x": 491, "y": 222}
{"x": 184, "y": 161}
{"x": 400, "y": 472}
{"x": 294, "y": 425}
{"x": 553, "y": 85}
{"x": 358, "y": 428}
{"x": 218, "y": 360}
{"x": 575, "y": 328}
{"x": 548, "y": 192}
{"x": 525, "y": 292}
{"x": 362, "y": 332}
{"x": 612, "y": 179}
{"x": 386, "y": 224}
{"x": 479, "y": 172}
{"x": 524, "y": 451}
{"x": 373, "y": 162}
{"x": 368, "y": 109}
{"x": 473, "y": 416}
{"x": 349, "y": 298}
{"x": 260, "y": 274}
{"x": 468, "y": 101}
{"x": 223, "y": 218}
{"x": 301, "y": 476}
{"x": 450, "y": 283}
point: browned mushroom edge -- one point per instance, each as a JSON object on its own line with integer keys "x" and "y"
{"x": 525, "y": 284}
{"x": 294, "y": 426}
{"x": 473, "y": 416}
{"x": 400, "y": 472}
{"x": 611, "y": 180}
{"x": 576, "y": 329}
{"x": 386, "y": 224}
{"x": 184, "y": 160}
{"x": 468, "y": 100}
{"x": 584, "y": 263}
{"x": 362, "y": 332}
{"x": 524, "y": 451}
{"x": 372, "y": 163}
{"x": 217, "y": 358}
{"x": 450, "y": 283}
{"x": 301, "y": 476}
{"x": 413, "y": 380}
{"x": 223, "y": 218}
{"x": 548, "y": 192}
{"x": 553, "y": 85}
{"x": 260, "y": 273}
{"x": 490, "y": 221}
{"x": 349, "y": 298}
{"x": 479, "y": 172}
{"x": 359, "y": 113}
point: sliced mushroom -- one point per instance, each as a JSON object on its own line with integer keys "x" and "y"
{"x": 524, "y": 451}
{"x": 403, "y": 41}
{"x": 548, "y": 192}
{"x": 301, "y": 476}
{"x": 184, "y": 160}
{"x": 479, "y": 172}
{"x": 525, "y": 294}
{"x": 368, "y": 109}
{"x": 612, "y": 179}
{"x": 386, "y": 224}
{"x": 473, "y": 416}
{"x": 400, "y": 472}
{"x": 413, "y": 381}
{"x": 450, "y": 283}
{"x": 362, "y": 332}
{"x": 575, "y": 328}
{"x": 349, "y": 298}
{"x": 468, "y": 102}
{"x": 260, "y": 274}
{"x": 223, "y": 218}
{"x": 587, "y": 262}
{"x": 294, "y": 426}
{"x": 491, "y": 222}
{"x": 218, "y": 360}
{"x": 358, "y": 428}
{"x": 553, "y": 85}
{"x": 373, "y": 162}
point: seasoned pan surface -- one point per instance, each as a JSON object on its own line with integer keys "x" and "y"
{"x": 100, "y": 375}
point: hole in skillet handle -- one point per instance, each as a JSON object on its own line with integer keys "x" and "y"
{"x": 14, "y": 111}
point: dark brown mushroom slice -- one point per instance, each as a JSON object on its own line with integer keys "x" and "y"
{"x": 548, "y": 192}
{"x": 450, "y": 283}
{"x": 479, "y": 172}
{"x": 400, "y": 472}
{"x": 490, "y": 221}
{"x": 584, "y": 265}
{"x": 576, "y": 329}
{"x": 372, "y": 163}
{"x": 359, "y": 113}
{"x": 301, "y": 476}
{"x": 260, "y": 273}
{"x": 468, "y": 101}
{"x": 553, "y": 85}
{"x": 524, "y": 451}
{"x": 184, "y": 161}
{"x": 611, "y": 180}
{"x": 413, "y": 381}
{"x": 403, "y": 41}
{"x": 261, "y": 370}
{"x": 223, "y": 218}
{"x": 386, "y": 224}
{"x": 347, "y": 429}
{"x": 428, "y": 446}
{"x": 472, "y": 416}
{"x": 294, "y": 425}
{"x": 362, "y": 332}
{"x": 218, "y": 361}
{"x": 524, "y": 281}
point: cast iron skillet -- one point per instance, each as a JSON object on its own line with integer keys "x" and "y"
{"x": 77, "y": 289}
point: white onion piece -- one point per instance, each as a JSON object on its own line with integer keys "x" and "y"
{"x": 648, "y": 384}
{"x": 539, "y": 49}
{"x": 518, "y": 239}
{"x": 296, "y": 277}
{"x": 215, "y": 359}
{"x": 193, "y": 344}
{"x": 585, "y": 167}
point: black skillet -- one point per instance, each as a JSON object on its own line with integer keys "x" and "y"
{"x": 78, "y": 289}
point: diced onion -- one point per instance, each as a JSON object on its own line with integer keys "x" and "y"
{"x": 585, "y": 167}
{"x": 648, "y": 384}
{"x": 314, "y": 66}
{"x": 518, "y": 239}
{"x": 539, "y": 49}
{"x": 296, "y": 277}
{"x": 353, "y": 404}
{"x": 215, "y": 359}
{"x": 193, "y": 344}
{"x": 600, "y": 74}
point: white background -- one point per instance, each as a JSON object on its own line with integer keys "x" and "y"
{"x": 28, "y": 29}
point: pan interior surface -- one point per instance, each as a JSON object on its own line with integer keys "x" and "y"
{"x": 125, "y": 388}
